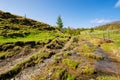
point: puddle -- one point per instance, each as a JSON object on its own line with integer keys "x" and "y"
{"x": 78, "y": 56}
{"x": 107, "y": 66}
{"x": 100, "y": 52}
{"x": 90, "y": 44}
{"x": 74, "y": 54}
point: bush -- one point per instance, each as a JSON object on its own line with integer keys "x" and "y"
{"x": 75, "y": 39}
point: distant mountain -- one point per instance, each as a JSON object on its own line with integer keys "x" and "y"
{"x": 109, "y": 26}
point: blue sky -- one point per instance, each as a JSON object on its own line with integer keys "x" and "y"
{"x": 74, "y": 13}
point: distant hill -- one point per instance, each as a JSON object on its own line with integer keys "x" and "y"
{"x": 109, "y": 26}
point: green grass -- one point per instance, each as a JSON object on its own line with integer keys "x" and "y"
{"x": 3, "y": 54}
{"x": 87, "y": 70}
{"x": 70, "y": 77}
{"x": 59, "y": 73}
{"x": 86, "y": 49}
{"x": 62, "y": 74}
{"x": 107, "y": 47}
{"x": 107, "y": 78}
{"x": 71, "y": 63}
{"x": 35, "y": 35}
{"x": 66, "y": 54}
{"x": 43, "y": 36}
{"x": 6, "y": 54}
{"x": 114, "y": 35}
{"x": 93, "y": 56}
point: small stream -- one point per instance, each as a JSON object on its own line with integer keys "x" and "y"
{"x": 74, "y": 54}
{"x": 105, "y": 65}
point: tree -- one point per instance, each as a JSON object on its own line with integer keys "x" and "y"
{"x": 59, "y": 22}
{"x": 91, "y": 30}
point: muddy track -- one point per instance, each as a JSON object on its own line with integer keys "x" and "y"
{"x": 17, "y": 57}
{"x": 8, "y": 64}
{"x": 39, "y": 68}
{"x": 106, "y": 65}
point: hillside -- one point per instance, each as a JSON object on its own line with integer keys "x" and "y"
{"x": 32, "y": 50}
{"x": 17, "y": 28}
{"x": 109, "y": 26}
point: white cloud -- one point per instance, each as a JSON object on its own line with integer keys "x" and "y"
{"x": 100, "y": 21}
{"x": 117, "y": 4}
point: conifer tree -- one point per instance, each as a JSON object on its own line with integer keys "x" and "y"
{"x": 59, "y": 22}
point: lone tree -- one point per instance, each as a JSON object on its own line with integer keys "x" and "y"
{"x": 59, "y": 22}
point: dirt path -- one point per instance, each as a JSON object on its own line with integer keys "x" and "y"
{"x": 106, "y": 65}
{"x": 39, "y": 68}
{"x": 8, "y": 64}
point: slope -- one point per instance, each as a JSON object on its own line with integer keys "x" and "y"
{"x": 109, "y": 26}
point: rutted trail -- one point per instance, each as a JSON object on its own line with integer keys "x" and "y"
{"x": 38, "y": 68}
{"x": 98, "y": 59}
{"x": 8, "y": 64}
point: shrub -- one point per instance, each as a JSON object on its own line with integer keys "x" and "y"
{"x": 75, "y": 39}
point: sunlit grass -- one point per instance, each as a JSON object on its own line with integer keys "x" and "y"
{"x": 87, "y": 70}
{"x": 43, "y": 36}
{"x": 107, "y": 78}
{"x": 112, "y": 35}
{"x": 71, "y": 63}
